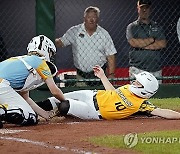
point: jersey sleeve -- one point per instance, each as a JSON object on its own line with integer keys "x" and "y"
{"x": 109, "y": 47}
{"x": 69, "y": 37}
{"x": 178, "y": 29}
{"x": 129, "y": 31}
{"x": 147, "y": 107}
{"x": 44, "y": 71}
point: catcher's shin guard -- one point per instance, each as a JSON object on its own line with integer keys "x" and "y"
{"x": 32, "y": 120}
{"x": 1, "y": 124}
{"x": 16, "y": 116}
{"x": 2, "y": 111}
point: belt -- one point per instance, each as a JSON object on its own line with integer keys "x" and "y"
{"x": 96, "y": 106}
{"x": 1, "y": 80}
{"x": 145, "y": 49}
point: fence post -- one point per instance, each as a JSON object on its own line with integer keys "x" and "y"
{"x": 45, "y": 18}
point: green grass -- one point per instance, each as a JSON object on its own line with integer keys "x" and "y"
{"x": 169, "y": 103}
{"x": 147, "y": 147}
{"x": 166, "y": 142}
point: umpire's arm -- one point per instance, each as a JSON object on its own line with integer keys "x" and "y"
{"x": 111, "y": 65}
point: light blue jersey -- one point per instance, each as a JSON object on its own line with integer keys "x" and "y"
{"x": 15, "y": 71}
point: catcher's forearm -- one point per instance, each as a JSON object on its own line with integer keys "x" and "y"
{"x": 37, "y": 109}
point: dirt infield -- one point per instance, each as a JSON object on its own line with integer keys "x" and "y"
{"x": 68, "y": 136}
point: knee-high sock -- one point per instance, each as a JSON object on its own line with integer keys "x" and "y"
{"x": 48, "y": 104}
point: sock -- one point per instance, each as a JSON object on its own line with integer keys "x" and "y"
{"x": 54, "y": 102}
{"x": 46, "y": 105}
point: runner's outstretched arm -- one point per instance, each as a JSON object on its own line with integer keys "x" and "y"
{"x": 166, "y": 113}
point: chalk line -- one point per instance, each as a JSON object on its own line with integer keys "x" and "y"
{"x": 42, "y": 144}
{"x": 8, "y": 131}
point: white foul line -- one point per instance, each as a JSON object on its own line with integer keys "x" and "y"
{"x": 8, "y": 131}
{"x": 61, "y": 148}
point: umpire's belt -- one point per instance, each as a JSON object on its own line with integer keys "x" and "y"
{"x": 96, "y": 106}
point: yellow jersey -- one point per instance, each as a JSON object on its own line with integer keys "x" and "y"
{"x": 120, "y": 103}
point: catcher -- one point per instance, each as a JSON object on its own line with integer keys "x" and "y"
{"x": 111, "y": 103}
{"x": 19, "y": 75}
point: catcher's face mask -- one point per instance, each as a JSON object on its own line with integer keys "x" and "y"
{"x": 52, "y": 67}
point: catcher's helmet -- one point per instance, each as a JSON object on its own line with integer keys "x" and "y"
{"x": 43, "y": 46}
{"x": 149, "y": 85}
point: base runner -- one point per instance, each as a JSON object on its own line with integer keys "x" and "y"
{"x": 111, "y": 103}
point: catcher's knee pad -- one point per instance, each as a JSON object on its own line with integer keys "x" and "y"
{"x": 63, "y": 107}
{"x": 16, "y": 116}
{"x": 32, "y": 120}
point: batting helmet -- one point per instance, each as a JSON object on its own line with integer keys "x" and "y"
{"x": 149, "y": 85}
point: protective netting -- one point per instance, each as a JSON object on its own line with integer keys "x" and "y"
{"x": 18, "y": 27}
{"x": 114, "y": 17}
